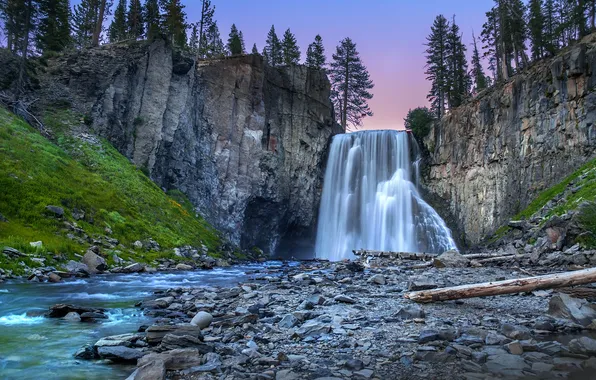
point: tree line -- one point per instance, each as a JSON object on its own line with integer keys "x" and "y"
{"x": 514, "y": 35}
{"x": 44, "y": 27}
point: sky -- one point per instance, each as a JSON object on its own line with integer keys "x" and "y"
{"x": 389, "y": 34}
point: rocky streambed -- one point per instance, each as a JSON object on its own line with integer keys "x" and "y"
{"x": 321, "y": 320}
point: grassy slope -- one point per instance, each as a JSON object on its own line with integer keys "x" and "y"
{"x": 35, "y": 172}
{"x": 585, "y": 179}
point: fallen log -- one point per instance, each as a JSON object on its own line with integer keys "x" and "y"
{"x": 499, "y": 258}
{"x": 394, "y": 255}
{"x": 519, "y": 285}
{"x": 471, "y": 256}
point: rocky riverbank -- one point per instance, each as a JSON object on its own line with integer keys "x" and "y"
{"x": 324, "y": 320}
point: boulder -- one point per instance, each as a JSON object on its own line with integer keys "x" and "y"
{"x": 76, "y": 267}
{"x": 515, "y": 332}
{"x": 583, "y": 345}
{"x": 91, "y": 316}
{"x": 94, "y": 262}
{"x": 125, "y": 340}
{"x": 579, "y": 311}
{"x": 55, "y": 211}
{"x": 133, "y": 268}
{"x": 53, "y": 277}
{"x": 202, "y": 319}
{"x": 60, "y": 310}
{"x": 155, "y": 333}
{"x": 149, "y": 370}
{"x": 421, "y": 283}
{"x": 451, "y": 259}
{"x": 85, "y": 353}
{"x": 119, "y": 353}
{"x": 184, "y": 267}
{"x": 72, "y": 317}
{"x": 378, "y": 279}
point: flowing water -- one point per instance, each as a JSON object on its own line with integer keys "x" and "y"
{"x": 34, "y": 347}
{"x": 371, "y": 201}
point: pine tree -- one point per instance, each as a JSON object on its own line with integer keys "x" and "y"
{"x": 53, "y": 32}
{"x": 551, "y": 26}
{"x": 151, "y": 16}
{"x": 290, "y": 49}
{"x": 480, "y": 80}
{"x": 536, "y": 28}
{"x": 213, "y": 46}
{"x": 254, "y": 49}
{"x": 193, "y": 42}
{"x": 117, "y": 31}
{"x": 273, "y": 50}
{"x": 12, "y": 14}
{"x": 419, "y": 121}
{"x": 242, "y": 45}
{"x": 350, "y": 84}
{"x": 84, "y": 20}
{"x": 205, "y": 22}
{"x": 490, "y": 38}
{"x": 315, "y": 55}
{"x": 235, "y": 42}
{"x": 134, "y": 20}
{"x": 519, "y": 32}
{"x": 174, "y": 22}
{"x": 436, "y": 65}
{"x": 458, "y": 81}
{"x": 103, "y": 12}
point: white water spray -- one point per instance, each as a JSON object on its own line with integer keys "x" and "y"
{"x": 369, "y": 200}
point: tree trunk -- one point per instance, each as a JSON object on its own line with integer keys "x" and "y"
{"x": 592, "y": 14}
{"x": 527, "y": 284}
{"x": 344, "y": 111}
{"x": 99, "y": 23}
{"x": 201, "y": 26}
{"x": 24, "y": 49}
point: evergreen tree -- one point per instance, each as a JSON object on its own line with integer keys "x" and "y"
{"x": 480, "y": 80}
{"x": 134, "y": 20}
{"x": 350, "y": 84}
{"x": 536, "y": 28}
{"x": 273, "y": 50}
{"x": 315, "y": 55}
{"x": 152, "y": 19}
{"x": 84, "y": 20}
{"x": 458, "y": 81}
{"x": 118, "y": 30}
{"x": 290, "y": 49}
{"x": 241, "y": 36}
{"x": 419, "y": 121}
{"x": 235, "y": 44}
{"x": 174, "y": 22}
{"x": 53, "y": 32}
{"x": 193, "y": 42}
{"x": 103, "y": 12}
{"x": 551, "y": 26}
{"x": 519, "y": 31}
{"x": 436, "y": 65}
{"x": 206, "y": 21}
{"x": 492, "y": 47}
{"x": 213, "y": 46}
{"x": 254, "y": 49}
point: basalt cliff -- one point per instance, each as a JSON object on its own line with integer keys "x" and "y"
{"x": 489, "y": 158}
{"x": 244, "y": 141}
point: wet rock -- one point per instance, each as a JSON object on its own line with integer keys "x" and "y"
{"x": 94, "y": 262}
{"x": 378, "y": 279}
{"x": 125, "y": 340}
{"x": 202, "y": 319}
{"x": 580, "y": 311}
{"x": 60, "y": 310}
{"x": 343, "y": 298}
{"x": 421, "y": 283}
{"x": 515, "y": 332}
{"x": 184, "y": 267}
{"x": 119, "y": 353}
{"x": 72, "y": 317}
{"x": 91, "y": 316}
{"x": 85, "y": 353}
{"x": 76, "y": 267}
{"x": 451, "y": 259}
{"x": 55, "y": 211}
{"x": 156, "y": 333}
{"x": 410, "y": 312}
{"x": 133, "y": 268}
{"x": 53, "y": 277}
{"x": 583, "y": 345}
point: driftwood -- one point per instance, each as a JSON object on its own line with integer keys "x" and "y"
{"x": 394, "y": 255}
{"x": 519, "y": 285}
{"x": 499, "y": 258}
{"x": 486, "y": 255}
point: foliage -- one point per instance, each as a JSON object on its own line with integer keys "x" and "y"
{"x": 315, "y": 55}
{"x": 536, "y": 28}
{"x": 419, "y": 121}
{"x": 118, "y": 28}
{"x": 174, "y": 22}
{"x": 213, "y": 46}
{"x": 273, "y": 49}
{"x": 91, "y": 177}
{"x": 350, "y": 84}
{"x": 290, "y": 49}
{"x": 53, "y": 32}
{"x": 235, "y": 41}
{"x": 151, "y": 17}
{"x": 436, "y": 65}
{"x": 205, "y": 24}
{"x": 134, "y": 20}
{"x": 458, "y": 80}
{"x": 480, "y": 79}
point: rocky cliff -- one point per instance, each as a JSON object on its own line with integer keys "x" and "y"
{"x": 244, "y": 141}
{"x": 490, "y": 157}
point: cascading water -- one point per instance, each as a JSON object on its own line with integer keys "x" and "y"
{"x": 369, "y": 200}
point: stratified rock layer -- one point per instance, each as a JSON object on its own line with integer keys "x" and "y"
{"x": 245, "y": 142}
{"x": 490, "y": 157}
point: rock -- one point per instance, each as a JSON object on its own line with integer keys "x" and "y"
{"x": 313, "y": 328}
{"x": 515, "y": 332}
{"x": 72, "y": 317}
{"x": 316, "y": 299}
{"x": 85, "y": 353}
{"x": 213, "y": 362}
{"x": 492, "y": 338}
{"x": 3, "y": 219}
{"x": 94, "y": 262}
{"x": 137, "y": 244}
{"x": 53, "y": 277}
{"x": 506, "y": 365}
{"x": 76, "y": 267}
{"x": 78, "y": 214}
{"x": 91, "y": 316}
{"x": 410, "y": 312}
{"x": 378, "y": 279}
{"x": 173, "y": 341}
{"x": 421, "y": 283}
{"x": 583, "y": 345}
{"x": 133, "y": 268}
{"x": 343, "y": 298}
{"x": 202, "y": 319}
{"x": 579, "y": 311}
{"x": 184, "y": 267}
{"x": 366, "y": 373}
{"x": 55, "y": 211}
{"x": 13, "y": 252}
{"x": 288, "y": 321}
{"x": 427, "y": 336}
{"x": 125, "y": 340}
{"x": 156, "y": 333}
{"x": 60, "y": 310}
{"x": 514, "y": 348}
{"x": 36, "y": 244}
{"x": 287, "y": 374}
{"x": 119, "y": 353}
{"x": 451, "y": 259}
{"x": 354, "y": 364}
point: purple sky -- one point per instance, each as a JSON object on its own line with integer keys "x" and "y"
{"x": 389, "y": 35}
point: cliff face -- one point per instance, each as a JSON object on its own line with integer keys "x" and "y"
{"x": 245, "y": 142}
{"x": 490, "y": 157}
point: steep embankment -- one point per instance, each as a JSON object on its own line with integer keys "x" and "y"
{"x": 492, "y": 156}
{"x": 81, "y": 192}
{"x": 245, "y": 142}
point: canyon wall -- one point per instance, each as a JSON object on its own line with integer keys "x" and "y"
{"x": 491, "y": 156}
{"x": 244, "y": 141}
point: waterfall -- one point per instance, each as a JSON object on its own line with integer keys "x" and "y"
{"x": 369, "y": 200}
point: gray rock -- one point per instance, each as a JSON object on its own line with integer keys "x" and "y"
{"x": 451, "y": 259}
{"x": 202, "y": 319}
{"x": 85, "y": 353}
{"x": 507, "y": 365}
{"x": 583, "y": 345}
{"x": 76, "y": 267}
{"x": 343, "y": 298}
{"x": 184, "y": 267}
{"x": 366, "y": 373}
{"x": 133, "y": 268}
{"x": 493, "y": 338}
{"x": 119, "y": 353}
{"x": 288, "y": 321}
{"x": 72, "y": 317}
{"x": 514, "y": 348}
{"x": 155, "y": 333}
{"x": 421, "y": 283}
{"x": 313, "y": 328}
{"x": 580, "y": 311}
{"x": 173, "y": 341}
{"x": 428, "y": 336}
{"x": 55, "y": 211}
{"x": 378, "y": 279}
{"x": 515, "y": 332}
{"x": 53, "y": 277}
{"x": 125, "y": 340}
{"x": 410, "y": 312}
{"x": 94, "y": 262}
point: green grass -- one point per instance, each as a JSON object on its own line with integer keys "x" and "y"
{"x": 96, "y": 178}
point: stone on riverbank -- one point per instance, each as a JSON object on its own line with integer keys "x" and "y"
{"x": 156, "y": 333}
{"x": 94, "y": 262}
{"x": 202, "y": 319}
{"x": 580, "y": 311}
{"x": 119, "y": 353}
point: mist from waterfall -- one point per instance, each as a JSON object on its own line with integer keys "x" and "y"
{"x": 370, "y": 200}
